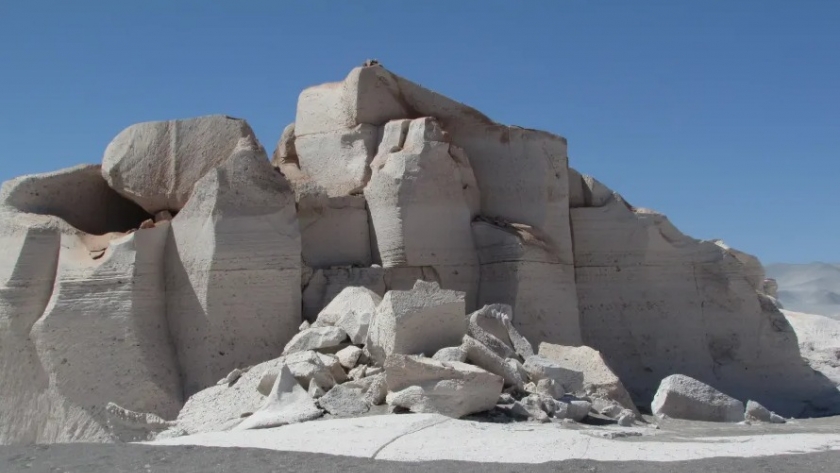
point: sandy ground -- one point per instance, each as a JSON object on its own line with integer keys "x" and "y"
{"x": 430, "y": 443}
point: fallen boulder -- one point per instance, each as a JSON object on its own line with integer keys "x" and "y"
{"x": 682, "y": 397}
{"x": 755, "y": 412}
{"x": 485, "y": 358}
{"x": 421, "y": 320}
{"x": 288, "y": 403}
{"x": 157, "y": 164}
{"x": 598, "y": 379}
{"x": 541, "y": 368}
{"x": 316, "y": 338}
{"x": 453, "y": 389}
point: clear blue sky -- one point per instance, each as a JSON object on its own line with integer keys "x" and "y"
{"x": 723, "y": 114}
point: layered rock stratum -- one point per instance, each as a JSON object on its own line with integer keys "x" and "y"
{"x": 400, "y": 248}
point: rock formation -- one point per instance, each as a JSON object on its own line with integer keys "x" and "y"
{"x": 403, "y": 249}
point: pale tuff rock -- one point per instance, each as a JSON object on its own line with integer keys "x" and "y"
{"x": 105, "y": 326}
{"x": 755, "y": 412}
{"x": 351, "y": 310}
{"x": 488, "y": 327}
{"x": 316, "y": 338}
{"x": 450, "y": 388}
{"x": 483, "y": 357}
{"x": 752, "y": 268}
{"x": 521, "y": 267}
{"x": 540, "y": 368}
{"x": 355, "y": 397}
{"x": 73, "y": 200}
{"x": 130, "y": 426}
{"x": 233, "y": 269}
{"x": 326, "y": 284}
{"x": 682, "y": 397}
{"x": 550, "y": 387}
{"x": 285, "y": 157}
{"x": 451, "y": 354}
{"x": 819, "y": 342}
{"x": 334, "y": 230}
{"x": 332, "y": 363}
{"x": 338, "y": 160}
{"x": 639, "y": 279}
{"x": 306, "y": 366}
{"x": 421, "y": 320}
{"x": 222, "y": 407}
{"x": 598, "y": 379}
{"x": 349, "y": 356}
{"x": 413, "y": 187}
{"x": 771, "y": 288}
{"x": 156, "y": 164}
{"x": 288, "y": 403}
{"x": 315, "y": 390}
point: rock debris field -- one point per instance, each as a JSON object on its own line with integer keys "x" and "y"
{"x": 399, "y": 253}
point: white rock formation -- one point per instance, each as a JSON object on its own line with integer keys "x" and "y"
{"x": 377, "y": 185}
{"x": 819, "y": 342}
{"x": 682, "y": 397}
{"x": 105, "y": 325}
{"x": 598, "y": 379}
{"x": 288, "y": 403}
{"x": 418, "y": 321}
{"x": 233, "y": 269}
{"x": 453, "y": 389}
{"x": 315, "y": 338}
{"x": 156, "y": 164}
{"x": 351, "y": 310}
{"x": 640, "y": 280}
{"x": 540, "y": 368}
{"x": 755, "y": 412}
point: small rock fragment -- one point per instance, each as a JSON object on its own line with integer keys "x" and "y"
{"x": 349, "y": 356}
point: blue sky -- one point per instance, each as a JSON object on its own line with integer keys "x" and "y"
{"x": 725, "y": 115}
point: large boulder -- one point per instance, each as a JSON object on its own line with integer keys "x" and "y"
{"x": 351, "y": 310}
{"x": 599, "y": 380}
{"x": 157, "y": 164}
{"x": 682, "y": 397}
{"x": 418, "y": 321}
{"x": 233, "y": 269}
{"x": 453, "y": 389}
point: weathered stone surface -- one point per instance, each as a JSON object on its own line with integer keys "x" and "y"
{"x": 70, "y": 200}
{"x": 819, "y": 342}
{"x": 540, "y": 368}
{"x": 354, "y": 397}
{"x": 598, "y": 379}
{"x": 334, "y": 230}
{"x": 418, "y": 208}
{"x": 488, "y": 327}
{"x": 521, "y": 267}
{"x": 450, "y": 388}
{"x": 156, "y": 164}
{"x": 326, "y": 284}
{"x": 338, "y": 160}
{"x": 550, "y": 387}
{"x": 315, "y": 338}
{"x": 222, "y": 407}
{"x": 639, "y": 279}
{"x": 334, "y": 365}
{"x": 755, "y": 412}
{"x": 682, "y": 397}
{"x": 349, "y": 356}
{"x": 102, "y": 337}
{"x": 451, "y": 354}
{"x": 233, "y": 269}
{"x": 130, "y": 426}
{"x": 288, "y": 403}
{"x": 306, "y": 366}
{"x": 483, "y": 357}
{"x": 351, "y": 310}
{"x": 421, "y": 320}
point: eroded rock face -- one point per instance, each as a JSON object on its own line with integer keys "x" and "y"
{"x": 105, "y": 327}
{"x": 233, "y": 269}
{"x": 156, "y": 164}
